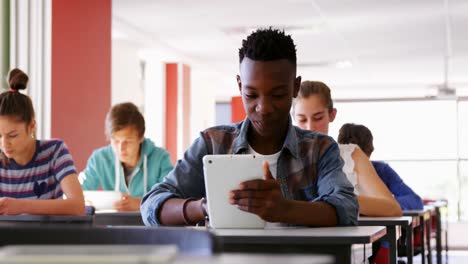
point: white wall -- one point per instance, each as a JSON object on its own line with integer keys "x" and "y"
{"x": 204, "y": 85}
{"x": 155, "y": 105}
{"x": 126, "y": 76}
{"x": 3, "y": 43}
{"x": 126, "y": 57}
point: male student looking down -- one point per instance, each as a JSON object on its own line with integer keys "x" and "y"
{"x": 303, "y": 181}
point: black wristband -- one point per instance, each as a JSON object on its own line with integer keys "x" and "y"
{"x": 184, "y": 213}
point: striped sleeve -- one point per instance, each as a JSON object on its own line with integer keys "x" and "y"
{"x": 63, "y": 162}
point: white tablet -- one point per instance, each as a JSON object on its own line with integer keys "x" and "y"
{"x": 224, "y": 173}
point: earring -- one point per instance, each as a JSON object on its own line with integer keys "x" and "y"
{"x": 32, "y": 135}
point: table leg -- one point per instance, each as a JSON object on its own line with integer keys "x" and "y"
{"x": 343, "y": 254}
{"x": 438, "y": 236}
{"x": 422, "y": 226}
{"x": 409, "y": 243}
{"x": 392, "y": 240}
{"x": 428, "y": 238}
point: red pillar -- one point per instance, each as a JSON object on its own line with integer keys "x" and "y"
{"x": 177, "y": 109}
{"x": 186, "y": 106}
{"x": 237, "y": 109}
{"x": 171, "y": 109}
{"x": 81, "y": 74}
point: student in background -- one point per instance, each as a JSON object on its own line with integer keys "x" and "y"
{"x": 313, "y": 110}
{"x": 34, "y": 174}
{"x": 362, "y": 136}
{"x": 303, "y": 183}
{"x": 131, "y": 164}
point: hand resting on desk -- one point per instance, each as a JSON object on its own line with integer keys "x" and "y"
{"x": 8, "y": 206}
{"x": 127, "y": 203}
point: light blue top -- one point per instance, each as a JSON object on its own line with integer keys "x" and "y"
{"x": 103, "y": 166}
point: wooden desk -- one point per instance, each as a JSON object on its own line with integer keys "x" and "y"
{"x": 392, "y": 224}
{"x": 118, "y": 218}
{"x": 336, "y": 241}
{"x": 425, "y": 222}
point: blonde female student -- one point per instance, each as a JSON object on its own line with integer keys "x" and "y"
{"x": 313, "y": 110}
{"x": 34, "y": 174}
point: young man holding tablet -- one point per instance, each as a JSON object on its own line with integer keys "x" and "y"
{"x": 303, "y": 183}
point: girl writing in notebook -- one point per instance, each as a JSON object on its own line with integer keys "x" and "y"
{"x": 34, "y": 174}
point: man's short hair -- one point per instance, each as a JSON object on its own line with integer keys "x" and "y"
{"x": 268, "y": 45}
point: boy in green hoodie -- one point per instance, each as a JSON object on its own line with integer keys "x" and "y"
{"x": 131, "y": 164}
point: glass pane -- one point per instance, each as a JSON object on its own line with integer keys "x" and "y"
{"x": 404, "y": 129}
{"x": 432, "y": 180}
{"x": 463, "y": 119}
{"x": 464, "y": 190}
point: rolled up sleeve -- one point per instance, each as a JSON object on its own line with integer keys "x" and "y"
{"x": 184, "y": 181}
{"x": 335, "y": 189}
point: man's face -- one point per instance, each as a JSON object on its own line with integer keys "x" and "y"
{"x": 126, "y": 143}
{"x": 267, "y": 89}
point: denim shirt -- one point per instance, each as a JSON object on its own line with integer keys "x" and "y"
{"x": 309, "y": 169}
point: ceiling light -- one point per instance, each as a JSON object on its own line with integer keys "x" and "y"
{"x": 343, "y": 64}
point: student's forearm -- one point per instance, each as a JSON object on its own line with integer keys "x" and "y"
{"x": 410, "y": 202}
{"x": 171, "y": 212}
{"x": 310, "y": 214}
{"x": 52, "y": 207}
{"x": 373, "y": 206}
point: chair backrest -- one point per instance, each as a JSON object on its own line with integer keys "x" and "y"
{"x": 189, "y": 241}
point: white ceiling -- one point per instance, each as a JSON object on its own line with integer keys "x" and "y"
{"x": 353, "y": 45}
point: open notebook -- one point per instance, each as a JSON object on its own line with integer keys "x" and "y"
{"x": 102, "y": 200}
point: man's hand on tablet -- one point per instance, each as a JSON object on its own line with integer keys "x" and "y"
{"x": 261, "y": 197}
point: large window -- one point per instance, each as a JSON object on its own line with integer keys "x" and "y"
{"x": 425, "y": 141}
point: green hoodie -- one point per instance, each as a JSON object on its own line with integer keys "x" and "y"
{"x": 101, "y": 170}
